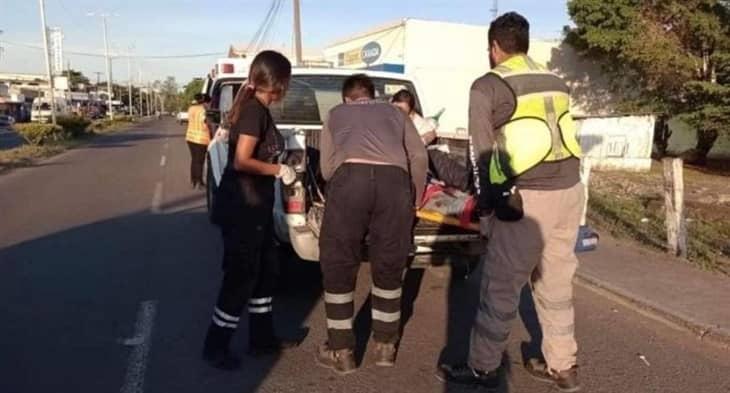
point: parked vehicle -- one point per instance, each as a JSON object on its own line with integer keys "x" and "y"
{"x": 41, "y": 110}
{"x": 297, "y": 212}
{"x": 182, "y": 117}
{"x": 6, "y": 121}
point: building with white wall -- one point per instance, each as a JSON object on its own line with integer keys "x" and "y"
{"x": 445, "y": 58}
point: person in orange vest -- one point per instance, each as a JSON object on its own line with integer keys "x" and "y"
{"x": 198, "y": 138}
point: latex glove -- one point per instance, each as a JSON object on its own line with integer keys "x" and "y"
{"x": 485, "y": 224}
{"x": 286, "y": 174}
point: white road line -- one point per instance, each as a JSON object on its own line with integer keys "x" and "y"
{"x": 163, "y": 160}
{"x": 156, "y": 207}
{"x": 137, "y": 364}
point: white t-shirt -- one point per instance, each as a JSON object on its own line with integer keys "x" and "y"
{"x": 423, "y": 126}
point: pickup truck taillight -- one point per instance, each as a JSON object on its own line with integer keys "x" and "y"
{"x": 295, "y": 200}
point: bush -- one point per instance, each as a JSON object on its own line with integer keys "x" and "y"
{"x": 75, "y": 126}
{"x": 38, "y": 134}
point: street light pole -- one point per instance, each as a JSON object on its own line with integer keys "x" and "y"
{"x": 129, "y": 73}
{"x": 48, "y": 61}
{"x": 108, "y": 70}
{"x": 297, "y": 34}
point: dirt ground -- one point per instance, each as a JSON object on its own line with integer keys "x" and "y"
{"x": 631, "y": 205}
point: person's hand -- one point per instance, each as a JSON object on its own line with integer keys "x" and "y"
{"x": 286, "y": 174}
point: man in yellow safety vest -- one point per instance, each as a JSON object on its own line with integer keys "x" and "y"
{"x": 526, "y": 159}
{"x": 198, "y": 138}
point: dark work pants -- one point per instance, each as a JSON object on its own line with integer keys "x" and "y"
{"x": 374, "y": 201}
{"x": 250, "y": 270}
{"x": 197, "y": 159}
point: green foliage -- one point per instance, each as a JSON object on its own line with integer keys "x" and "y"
{"x": 38, "y": 133}
{"x": 674, "y": 53}
{"x": 75, "y": 126}
{"x": 191, "y": 89}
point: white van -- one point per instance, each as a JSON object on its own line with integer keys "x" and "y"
{"x": 41, "y": 109}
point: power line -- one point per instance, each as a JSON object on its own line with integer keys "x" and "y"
{"x": 101, "y": 55}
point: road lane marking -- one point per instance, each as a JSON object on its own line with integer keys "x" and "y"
{"x": 157, "y": 199}
{"x": 163, "y": 160}
{"x": 137, "y": 363}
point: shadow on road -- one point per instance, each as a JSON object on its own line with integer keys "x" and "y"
{"x": 70, "y": 297}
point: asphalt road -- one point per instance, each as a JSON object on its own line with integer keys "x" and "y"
{"x": 109, "y": 269}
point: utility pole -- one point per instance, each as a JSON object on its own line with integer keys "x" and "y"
{"x": 149, "y": 99}
{"x": 297, "y": 34}
{"x": 129, "y": 74}
{"x": 108, "y": 70}
{"x": 495, "y": 9}
{"x": 48, "y": 61}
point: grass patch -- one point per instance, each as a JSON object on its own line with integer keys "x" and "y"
{"x": 27, "y": 155}
{"x": 631, "y": 206}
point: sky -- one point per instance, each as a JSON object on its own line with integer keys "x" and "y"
{"x": 181, "y": 27}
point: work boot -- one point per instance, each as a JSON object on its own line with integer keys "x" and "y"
{"x": 215, "y": 349}
{"x": 463, "y": 374}
{"x": 384, "y": 354}
{"x": 261, "y": 337}
{"x": 566, "y": 381}
{"x": 342, "y": 361}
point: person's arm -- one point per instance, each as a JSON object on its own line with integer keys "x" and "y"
{"x": 326, "y": 152}
{"x": 418, "y": 158}
{"x": 425, "y": 129}
{"x": 481, "y": 134}
{"x": 244, "y": 161}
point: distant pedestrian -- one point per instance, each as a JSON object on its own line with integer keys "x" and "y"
{"x": 375, "y": 166}
{"x": 245, "y": 202}
{"x": 198, "y": 138}
{"x": 527, "y": 158}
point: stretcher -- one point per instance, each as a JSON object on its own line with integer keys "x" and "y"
{"x": 448, "y": 206}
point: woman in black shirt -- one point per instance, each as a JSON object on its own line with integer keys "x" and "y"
{"x": 244, "y": 204}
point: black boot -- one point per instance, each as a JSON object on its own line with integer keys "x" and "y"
{"x": 262, "y": 339}
{"x": 215, "y": 350}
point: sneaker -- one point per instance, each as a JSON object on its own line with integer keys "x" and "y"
{"x": 222, "y": 360}
{"x": 384, "y": 354}
{"x": 275, "y": 346}
{"x": 566, "y": 381}
{"x": 462, "y": 374}
{"x": 341, "y": 360}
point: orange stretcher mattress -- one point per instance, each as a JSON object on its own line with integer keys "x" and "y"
{"x": 449, "y": 207}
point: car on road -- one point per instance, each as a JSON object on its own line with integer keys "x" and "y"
{"x": 6, "y": 121}
{"x": 298, "y": 208}
{"x": 182, "y": 117}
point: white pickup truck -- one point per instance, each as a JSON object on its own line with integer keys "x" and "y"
{"x": 297, "y": 213}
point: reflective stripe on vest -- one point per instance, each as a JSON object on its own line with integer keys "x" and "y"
{"x": 541, "y": 128}
{"x": 197, "y": 133}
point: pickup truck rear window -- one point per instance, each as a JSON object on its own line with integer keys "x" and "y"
{"x": 310, "y": 97}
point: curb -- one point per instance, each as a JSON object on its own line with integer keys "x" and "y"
{"x": 716, "y": 335}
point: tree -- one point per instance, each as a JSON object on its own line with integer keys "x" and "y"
{"x": 76, "y": 78}
{"x": 186, "y": 97}
{"x": 674, "y": 53}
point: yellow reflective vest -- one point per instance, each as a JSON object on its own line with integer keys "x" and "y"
{"x": 197, "y": 131}
{"x": 541, "y": 128}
